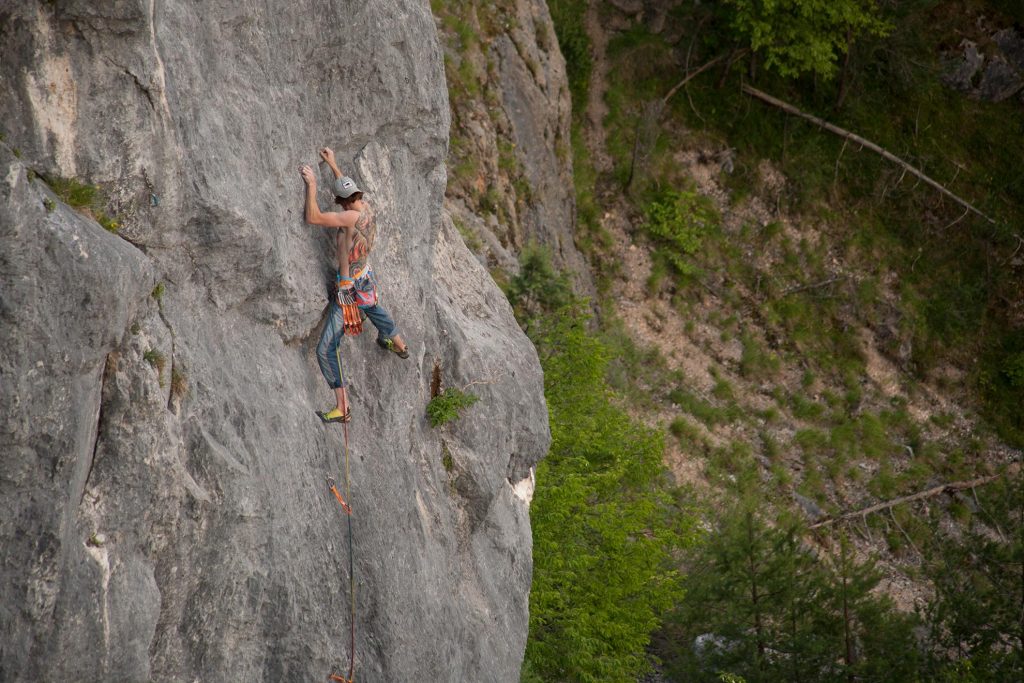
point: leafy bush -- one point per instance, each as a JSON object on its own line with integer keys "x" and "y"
{"x": 804, "y": 36}
{"x": 1013, "y": 368}
{"x": 605, "y": 519}
{"x": 567, "y": 16}
{"x": 537, "y": 287}
{"x": 677, "y": 222}
{"x": 448, "y": 405}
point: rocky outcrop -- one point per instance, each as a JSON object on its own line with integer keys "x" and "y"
{"x": 511, "y": 130}
{"x": 997, "y": 78}
{"x": 163, "y": 508}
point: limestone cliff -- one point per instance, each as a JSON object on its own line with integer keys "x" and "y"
{"x": 512, "y": 182}
{"x": 163, "y": 508}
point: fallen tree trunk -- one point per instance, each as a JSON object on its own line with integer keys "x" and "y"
{"x": 842, "y": 132}
{"x": 920, "y": 495}
{"x": 690, "y": 76}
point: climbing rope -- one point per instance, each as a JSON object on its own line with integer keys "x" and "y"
{"x": 348, "y": 513}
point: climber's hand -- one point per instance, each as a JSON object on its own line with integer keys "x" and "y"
{"x": 327, "y": 154}
{"x": 308, "y": 176}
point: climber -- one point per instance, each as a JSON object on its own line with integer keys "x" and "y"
{"x": 356, "y": 285}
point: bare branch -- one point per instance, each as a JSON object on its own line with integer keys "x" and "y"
{"x": 885, "y": 154}
{"x": 920, "y": 495}
{"x": 686, "y": 79}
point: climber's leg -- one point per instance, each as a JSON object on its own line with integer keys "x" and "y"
{"x": 328, "y": 356}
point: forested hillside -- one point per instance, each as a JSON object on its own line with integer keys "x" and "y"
{"x": 787, "y": 419}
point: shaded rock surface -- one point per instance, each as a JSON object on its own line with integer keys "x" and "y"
{"x": 516, "y": 130}
{"x": 163, "y": 508}
{"x": 993, "y": 79}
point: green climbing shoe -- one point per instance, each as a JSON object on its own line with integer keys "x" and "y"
{"x": 389, "y": 344}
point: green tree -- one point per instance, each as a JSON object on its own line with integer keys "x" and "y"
{"x": 760, "y": 604}
{"x": 874, "y": 641}
{"x": 606, "y": 523}
{"x": 804, "y": 36}
{"x": 977, "y": 617}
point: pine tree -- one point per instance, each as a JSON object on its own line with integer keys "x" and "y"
{"x": 760, "y": 604}
{"x": 977, "y": 617}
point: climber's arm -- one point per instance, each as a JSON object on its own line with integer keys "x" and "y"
{"x": 327, "y": 154}
{"x": 314, "y": 215}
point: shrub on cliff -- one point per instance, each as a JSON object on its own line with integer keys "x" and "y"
{"x": 604, "y": 516}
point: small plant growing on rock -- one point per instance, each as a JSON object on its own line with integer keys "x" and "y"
{"x": 49, "y": 205}
{"x": 87, "y": 199}
{"x": 158, "y": 291}
{"x": 158, "y": 361}
{"x": 448, "y": 405}
{"x": 179, "y": 384}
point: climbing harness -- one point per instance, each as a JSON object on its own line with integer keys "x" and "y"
{"x": 332, "y": 486}
{"x": 347, "y": 299}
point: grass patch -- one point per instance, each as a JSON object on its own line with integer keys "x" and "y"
{"x": 179, "y": 384}
{"x": 702, "y": 409}
{"x": 449, "y": 405}
{"x": 158, "y": 360}
{"x": 87, "y": 199}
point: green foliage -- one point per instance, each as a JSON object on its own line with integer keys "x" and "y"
{"x": 567, "y": 16}
{"x": 1013, "y": 368}
{"x": 677, "y": 222}
{"x": 158, "y": 291}
{"x": 538, "y": 287}
{"x": 976, "y": 617}
{"x": 953, "y": 306}
{"x": 604, "y": 517}
{"x": 1002, "y": 386}
{"x": 760, "y": 605}
{"x": 448, "y": 405}
{"x": 804, "y": 36}
{"x": 702, "y": 409}
{"x": 756, "y": 361}
{"x": 74, "y": 193}
{"x": 447, "y": 461}
{"x": 179, "y": 383}
{"x": 158, "y": 360}
{"x": 49, "y": 205}
{"x": 86, "y": 198}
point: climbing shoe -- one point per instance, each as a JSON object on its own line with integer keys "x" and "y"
{"x": 389, "y": 344}
{"x": 334, "y": 416}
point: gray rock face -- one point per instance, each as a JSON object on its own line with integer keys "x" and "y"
{"x": 993, "y": 80}
{"x": 535, "y": 97}
{"x": 999, "y": 82}
{"x": 961, "y": 68}
{"x": 518, "y": 130}
{"x": 1011, "y": 42}
{"x": 163, "y": 508}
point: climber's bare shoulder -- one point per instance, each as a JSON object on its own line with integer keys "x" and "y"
{"x": 334, "y": 219}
